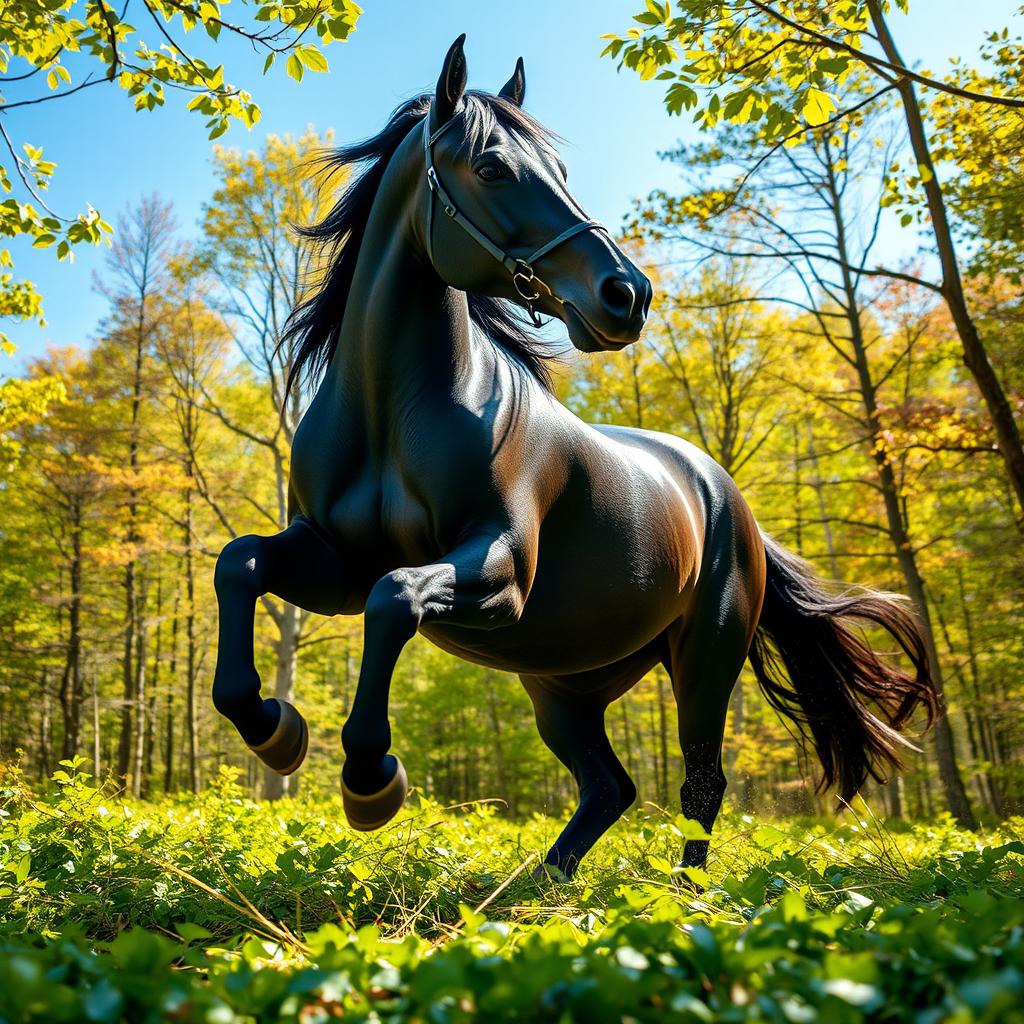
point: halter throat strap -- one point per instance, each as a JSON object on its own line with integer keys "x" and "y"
{"x": 524, "y": 278}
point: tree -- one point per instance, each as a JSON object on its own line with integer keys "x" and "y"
{"x": 137, "y": 265}
{"x": 50, "y": 49}
{"x": 771, "y": 63}
{"x": 814, "y": 219}
{"x": 23, "y": 402}
{"x": 190, "y": 345}
{"x": 981, "y": 148}
{"x": 68, "y": 490}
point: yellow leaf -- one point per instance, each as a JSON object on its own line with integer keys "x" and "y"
{"x": 818, "y": 106}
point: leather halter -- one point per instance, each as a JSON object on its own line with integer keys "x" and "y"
{"x": 524, "y": 278}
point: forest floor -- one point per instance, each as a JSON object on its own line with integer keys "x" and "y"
{"x": 219, "y": 909}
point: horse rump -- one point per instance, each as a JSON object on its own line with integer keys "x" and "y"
{"x": 816, "y": 668}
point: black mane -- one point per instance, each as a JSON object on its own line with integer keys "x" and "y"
{"x": 315, "y": 325}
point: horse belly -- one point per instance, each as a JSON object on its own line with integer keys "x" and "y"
{"x": 602, "y": 591}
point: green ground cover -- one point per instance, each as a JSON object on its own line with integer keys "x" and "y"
{"x": 219, "y": 909}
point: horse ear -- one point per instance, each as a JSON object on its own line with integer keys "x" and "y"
{"x": 452, "y": 83}
{"x": 515, "y": 88}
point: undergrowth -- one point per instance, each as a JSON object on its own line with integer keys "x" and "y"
{"x": 215, "y": 908}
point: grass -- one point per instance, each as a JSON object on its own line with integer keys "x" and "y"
{"x": 220, "y": 909}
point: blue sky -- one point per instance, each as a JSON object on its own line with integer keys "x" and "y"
{"x": 614, "y": 124}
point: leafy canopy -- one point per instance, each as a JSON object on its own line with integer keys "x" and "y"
{"x": 50, "y": 49}
{"x": 725, "y": 59}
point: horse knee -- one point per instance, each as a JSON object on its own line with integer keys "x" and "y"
{"x": 392, "y": 608}
{"x": 611, "y": 796}
{"x": 240, "y": 566}
{"x": 626, "y": 794}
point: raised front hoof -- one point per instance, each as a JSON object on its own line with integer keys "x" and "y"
{"x": 286, "y": 748}
{"x": 369, "y": 811}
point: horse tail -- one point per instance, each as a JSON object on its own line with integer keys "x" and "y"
{"x": 816, "y": 669}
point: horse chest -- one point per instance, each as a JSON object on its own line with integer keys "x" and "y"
{"x": 373, "y": 519}
{"x": 387, "y": 507}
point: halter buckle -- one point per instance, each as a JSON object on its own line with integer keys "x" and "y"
{"x": 523, "y": 279}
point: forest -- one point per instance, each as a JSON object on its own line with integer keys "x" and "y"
{"x": 838, "y": 321}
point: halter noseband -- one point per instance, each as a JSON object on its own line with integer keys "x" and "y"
{"x": 525, "y": 280}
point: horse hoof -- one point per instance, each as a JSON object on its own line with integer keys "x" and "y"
{"x": 368, "y": 811}
{"x": 550, "y": 873}
{"x": 286, "y": 748}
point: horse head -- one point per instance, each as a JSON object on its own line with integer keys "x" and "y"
{"x": 501, "y": 220}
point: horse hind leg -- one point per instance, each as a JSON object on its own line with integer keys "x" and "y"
{"x": 704, "y": 660}
{"x": 297, "y": 566}
{"x": 572, "y": 725}
{"x": 573, "y": 728}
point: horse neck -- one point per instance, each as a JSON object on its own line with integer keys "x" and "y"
{"x": 404, "y": 330}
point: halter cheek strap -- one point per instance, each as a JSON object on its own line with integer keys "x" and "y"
{"x": 525, "y": 280}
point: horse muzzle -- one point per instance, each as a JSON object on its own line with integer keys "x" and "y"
{"x": 618, "y": 316}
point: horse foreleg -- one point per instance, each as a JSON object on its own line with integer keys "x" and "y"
{"x": 299, "y": 567}
{"x": 476, "y": 586}
{"x": 573, "y": 729}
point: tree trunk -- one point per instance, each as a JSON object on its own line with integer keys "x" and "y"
{"x": 191, "y": 728}
{"x": 819, "y": 490}
{"x": 988, "y": 731}
{"x": 798, "y": 516}
{"x": 945, "y": 748}
{"x": 96, "y": 759}
{"x": 975, "y": 356}
{"x": 43, "y": 761}
{"x": 285, "y": 649}
{"x": 149, "y": 736}
{"x": 124, "y": 745}
{"x": 71, "y": 679}
{"x": 742, "y": 788}
{"x": 141, "y": 697}
{"x": 662, "y": 739}
{"x": 894, "y": 792}
{"x": 499, "y": 750}
{"x": 133, "y": 663}
{"x": 981, "y": 749}
{"x": 169, "y": 702}
{"x": 627, "y": 738}
{"x": 898, "y": 528}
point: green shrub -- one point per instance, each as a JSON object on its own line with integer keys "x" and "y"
{"x": 219, "y": 909}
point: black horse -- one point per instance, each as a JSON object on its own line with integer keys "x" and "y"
{"x": 437, "y": 485}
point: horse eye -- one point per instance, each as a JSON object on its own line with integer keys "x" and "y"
{"x": 488, "y": 172}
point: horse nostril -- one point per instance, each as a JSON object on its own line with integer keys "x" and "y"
{"x": 617, "y": 296}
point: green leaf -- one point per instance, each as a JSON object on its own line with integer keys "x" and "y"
{"x": 832, "y": 65}
{"x": 294, "y": 67}
{"x": 22, "y": 868}
{"x": 311, "y": 57}
{"x": 192, "y": 932}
